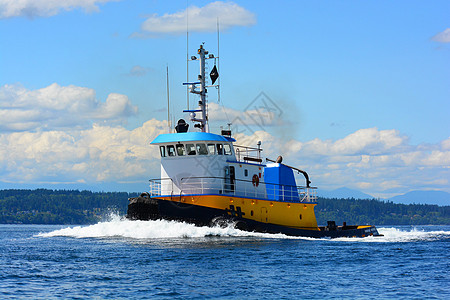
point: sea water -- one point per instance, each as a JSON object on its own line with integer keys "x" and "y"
{"x": 122, "y": 259}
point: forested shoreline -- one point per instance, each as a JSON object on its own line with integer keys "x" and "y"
{"x": 377, "y": 212}
{"x": 43, "y": 206}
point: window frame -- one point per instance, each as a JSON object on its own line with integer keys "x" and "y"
{"x": 199, "y": 150}
{"x": 174, "y": 151}
{"x": 189, "y": 151}
{"x": 178, "y": 147}
{"x": 230, "y": 149}
{"x": 162, "y": 151}
{"x": 219, "y": 148}
{"x": 214, "y": 152}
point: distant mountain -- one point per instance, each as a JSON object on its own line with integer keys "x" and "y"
{"x": 417, "y": 197}
{"x": 343, "y": 192}
{"x": 423, "y": 197}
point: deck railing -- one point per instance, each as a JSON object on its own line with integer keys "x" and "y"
{"x": 238, "y": 188}
{"x": 248, "y": 154}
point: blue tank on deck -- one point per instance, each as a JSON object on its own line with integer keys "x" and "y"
{"x": 280, "y": 183}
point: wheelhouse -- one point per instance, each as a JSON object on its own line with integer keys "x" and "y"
{"x": 199, "y": 163}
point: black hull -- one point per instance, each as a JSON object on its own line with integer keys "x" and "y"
{"x": 146, "y": 208}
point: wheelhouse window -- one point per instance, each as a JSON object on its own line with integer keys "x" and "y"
{"x": 201, "y": 149}
{"x": 180, "y": 150}
{"x": 162, "y": 150}
{"x": 212, "y": 149}
{"x": 227, "y": 149}
{"x": 171, "y": 150}
{"x": 190, "y": 149}
{"x": 220, "y": 149}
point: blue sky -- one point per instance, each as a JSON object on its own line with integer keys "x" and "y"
{"x": 362, "y": 88}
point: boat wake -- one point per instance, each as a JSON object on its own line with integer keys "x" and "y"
{"x": 120, "y": 227}
{"x": 399, "y": 235}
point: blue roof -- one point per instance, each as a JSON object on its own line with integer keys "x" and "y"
{"x": 190, "y": 137}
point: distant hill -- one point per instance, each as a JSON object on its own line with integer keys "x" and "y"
{"x": 344, "y": 193}
{"x": 423, "y": 197}
{"x": 415, "y": 197}
{"x": 43, "y": 206}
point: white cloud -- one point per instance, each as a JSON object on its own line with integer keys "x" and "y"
{"x": 138, "y": 71}
{"x": 364, "y": 141}
{"x": 442, "y": 37}
{"x": 200, "y": 19}
{"x": 56, "y": 107}
{"x": 369, "y": 140}
{"x": 257, "y": 117}
{"x": 100, "y": 153}
{"x": 445, "y": 144}
{"x": 45, "y": 8}
{"x": 380, "y": 162}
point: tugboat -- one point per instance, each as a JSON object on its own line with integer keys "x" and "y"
{"x": 206, "y": 179}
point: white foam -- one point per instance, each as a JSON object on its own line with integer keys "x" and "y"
{"x": 159, "y": 229}
{"x": 395, "y": 235}
{"x": 120, "y": 227}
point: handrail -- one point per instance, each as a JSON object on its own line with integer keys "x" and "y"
{"x": 242, "y": 180}
{"x": 239, "y": 187}
{"x": 248, "y": 153}
{"x": 251, "y": 148}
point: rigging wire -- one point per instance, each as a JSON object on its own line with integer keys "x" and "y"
{"x": 187, "y": 52}
{"x": 218, "y": 71}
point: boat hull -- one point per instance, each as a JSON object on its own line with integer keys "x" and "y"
{"x": 147, "y": 208}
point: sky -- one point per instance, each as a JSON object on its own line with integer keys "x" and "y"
{"x": 355, "y": 93}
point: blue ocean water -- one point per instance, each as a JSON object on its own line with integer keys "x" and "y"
{"x": 119, "y": 259}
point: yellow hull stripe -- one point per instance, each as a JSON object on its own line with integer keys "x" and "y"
{"x": 295, "y": 215}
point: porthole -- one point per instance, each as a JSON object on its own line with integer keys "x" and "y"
{"x": 251, "y": 213}
{"x": 300, "y": 216}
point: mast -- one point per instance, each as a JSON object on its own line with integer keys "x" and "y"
{"x": 187, "y": 53}
{"x": 202, "y": 103}
{"x": 218, "y": 62}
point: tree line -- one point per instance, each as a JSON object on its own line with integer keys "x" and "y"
{"x": 377, "y": 212}
{"x": 43, "y": 206}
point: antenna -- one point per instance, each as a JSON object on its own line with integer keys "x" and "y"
{"x": 173, "y": 120}
{"x": 187, "y": 52}
{"x": 202, "y": 88}
{"x": 169, "y": 125}
{"x": 201, "y": 91}
{"x": 218, "y": 62}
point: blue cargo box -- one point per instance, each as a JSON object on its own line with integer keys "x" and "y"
{"x": 280, "y": 183}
